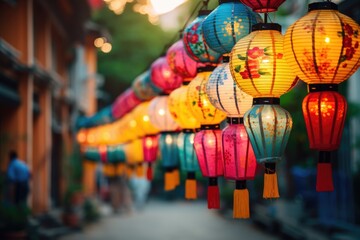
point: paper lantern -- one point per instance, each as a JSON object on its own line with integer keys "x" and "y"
{"x": 135, "y": 156}
{"x": 207, "y": 144}
{"x": 323, "y": 46}
{"x": 227, "y": 24}
{"x": 92, "y": 154}
{"x": 188, "y": 161}
{"x": 268, "y": 126}
{"x": 239, "y": 163}
{"x": 143, "y": 88}
{"x": 103, "y": 153}
{"x": 163, "y": 77}
{"x": 257, "y": 63}
{"x": 142, "y": 118}
{"x": 179, "y": 61}
{"x": 160, "y": 115}
{"x": 150, "y": 150}
{"x": 263, "y": 6}
{"x": 170, "y": 159}
{"x": 225, "y": 95}
{"x": 194, "y": 43}
{"x": 123, "y": 104}
{"x": 116, "y": 154}
{"x": 199, "y": 103}
{"x": 179, "y": 109}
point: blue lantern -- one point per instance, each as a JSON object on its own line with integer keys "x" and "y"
{"x": 227, "y": 24}
{"x": 116, "y": 154}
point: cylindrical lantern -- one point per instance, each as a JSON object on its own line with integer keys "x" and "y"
{"x": 195, "y": 44}
{"x": 263, "y": 6}
{"x": 239, "y": 164}
{"x": 227, "y": 24}
{"x": 163, "y": 77}
{"x": 116, "y": 154}
{"x": 180, "y": 62}
{"x": 150, "y": 149}
{"x": 323, "y": 49}
{"x": 143, "y": 88}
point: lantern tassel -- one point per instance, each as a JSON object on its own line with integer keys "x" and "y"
{"x": 176, "y": 177}
{"x": 213, "y": 194}
{"x": 324, "y": 180}
{"x": 169, "y": 180}
{"x": 271, "y": 189}
{"x": 140, "y": 170}
{"x": 241, "y": 201}
{"x": 190, "y": 186}
{"x": 149, "y": 172}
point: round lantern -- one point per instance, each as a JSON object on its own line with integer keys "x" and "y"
{"x": 150, "y": 150}
{"x": 323, "y": 49}
{"x": 170, "y": 159}
{"x": 123, "y": 104}
{"x": 179, "y": 61}
{"x": 116, "y": 154}
{"x": 257, "y": 63}
{"x": 239, "y": 163}
{"x": 92, "y": 154}
{"x": 227, "y": 24}
{"x": 224, "y": 94}
{"x": 195, "y": 45}
{"x": 143, "y": 88}
{"x": 141, "y": 116}
{"x": 263, "y": 6}
{"x": 163, "y": 77}
{"x": 160, "y": 115}
{"x": 268, "y": 126}
{"x": 134, "y": 156}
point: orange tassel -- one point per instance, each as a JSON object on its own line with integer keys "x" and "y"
{"x": 168, "y": 181}
{"x": 190, "y": 189}
{"x": 271, "y": 189}
{"x": 241, "y": 204}
{"x": 140, "y": 171}
{"x": 176, "y": 176}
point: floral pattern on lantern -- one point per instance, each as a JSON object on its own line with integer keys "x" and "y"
{"x": 195, "y": 45}
{"x": 258, "y": 66}
{"x": 227, "y": 24}
{"x": 323, "y": 46}
{"x": 263, "y": 6}
{"x": 225, "y": 95}
{"x": 163, "y": 77}
{"x": 143, "y": 88}
{"x": 180, "y": 62}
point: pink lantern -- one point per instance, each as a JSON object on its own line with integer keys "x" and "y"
{"x": 150, "y": 149}
{"x": 163, "y": 77}
{"x": 123, "y": 104}
{"x": 207, "y": 145}
{"x": 180, "y": 62}
{"x": 263, "y": 6}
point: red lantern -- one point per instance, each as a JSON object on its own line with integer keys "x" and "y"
{"x": 324, "y": 114}
{"x": 263, "y": 6}
{"x": 207, "y": 144}
{"x": 150, "y": 149}
{"x": 239, "y": 163}
{"x": 125, "y": 103}
{"x": 163, "y": 77}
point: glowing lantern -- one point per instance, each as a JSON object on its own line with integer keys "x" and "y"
{"x": 160, "y": 116}
{"x": 194, "y": 43}
{"x": 92, "y": 154}
{"x": 103, "y": 153}
{"x": 323, "y": 49}
{"x": 124, "y": 103}
{"x": 207, "y": 142}
{"x": 180, "y": 62}
{"x": 163, "y": 77}
{"x": 258, "y": 66}
{"x": 134, "y": 156}
{"x": 116, "y": 154}
{"x": 150, "y": 149}
{"x": 81, "y": 136}
{"x": 143, "y": 88}
{"x": 263, "y": 6}
{"x": 227, "y": 24}
{"x": 179, "y": 109}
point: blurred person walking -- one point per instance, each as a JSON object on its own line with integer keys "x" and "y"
{"x": 18, "y": 176}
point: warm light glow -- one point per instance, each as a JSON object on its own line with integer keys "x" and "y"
{"x": 168, "y": 139}
{"x": 81, "y": 137}
{"x": 99, "y": 42}
{"x": 146, "y": 118}
{"x": 106, "y": 48}
{"x": 149, "y": 142}
{"x": 327, "y": 40}
{"x": 161, "y": 6}
{"x": 161, "y": 112}
{"x": 102, "y": 148}
{"x": 133, "y": 123}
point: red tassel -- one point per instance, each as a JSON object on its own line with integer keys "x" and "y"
{"x": 149, "y": 173}
{"x": 324, "y": 180}
{"x": 213, "y": 196}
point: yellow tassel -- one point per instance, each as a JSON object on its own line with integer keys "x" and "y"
{"x": 140, "y": 171}
{"x": 190, "y": 189}
{"x": 120, "y": 169}
{"x": 169, "y": 181}
{"x": 241, "y": 203}
{"x": 176, "y": 176}
{"x": 129, "y": 171}
{"x": 271, "y": 189}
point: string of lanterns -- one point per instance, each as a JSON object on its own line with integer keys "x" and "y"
{"x": 231, "y": 63}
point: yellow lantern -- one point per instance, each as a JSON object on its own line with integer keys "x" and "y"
{"x": 81, "y": 136}
{"x": 134, "y": 155}
{"x": 199, "y": 103}
{"x": 323, "y": 46}
{"x": 179, "y": 109}
{"x": 257, "y": 63}
{"x": 143, "y": 119}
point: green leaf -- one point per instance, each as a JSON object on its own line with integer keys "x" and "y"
{"x": 193, "y": 103}
{"x": 263, "y": 71}
{"x": 268, "y": 54}
{"x": 241, "y": 57}
{"x": 237, "y": 68}
{"x": 266, "y": 49}
{"x": 343, "y": 58}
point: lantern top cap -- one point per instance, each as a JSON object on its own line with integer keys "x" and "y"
{"x": 225, "y": 59}
{"x": 322, "y": 87}
{"x": 266, "y": 26}
{"x": 227, "y": 1}
{"x": 204, "y": 12}
{"x": 266, "y": 101}
{"x": 322, "y": 6}
{"x": 205, "y": 69}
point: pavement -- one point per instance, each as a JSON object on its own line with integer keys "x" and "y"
{"x": 177, "y": 220}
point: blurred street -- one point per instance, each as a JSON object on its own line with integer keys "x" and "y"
{"x": 162, "y": 220}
